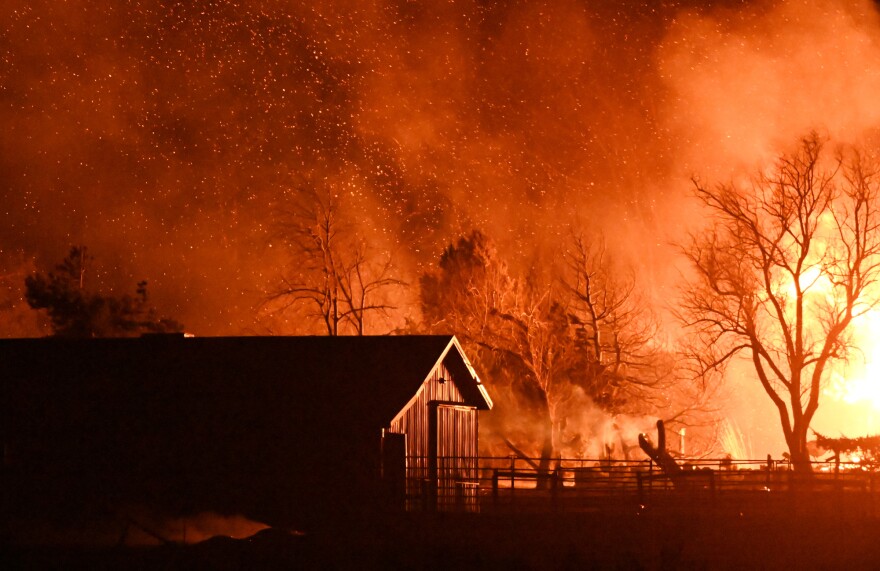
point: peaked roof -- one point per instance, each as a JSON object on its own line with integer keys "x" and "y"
{"x": 358, "y": 381}
{"x": 270, "y": 427}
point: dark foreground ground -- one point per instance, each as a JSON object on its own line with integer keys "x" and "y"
{"x": 641, "y": 539}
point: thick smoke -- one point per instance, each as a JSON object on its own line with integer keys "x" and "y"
{"x": 745, "y": 85}
{"x": 164, "y": 135}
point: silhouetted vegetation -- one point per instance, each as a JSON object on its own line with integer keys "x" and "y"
{"x": 333, "y": 273}
{"x": 780, "y": 274}
{"x": 75, "y": 311}
{"x": 552, "y": 349}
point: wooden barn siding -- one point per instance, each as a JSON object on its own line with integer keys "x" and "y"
{"x": 456, "y": 439}
{"x": 457, "y": 463}
{"x": 414, "y": 422}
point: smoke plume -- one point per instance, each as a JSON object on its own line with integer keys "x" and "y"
{"x": 165, "y": 134}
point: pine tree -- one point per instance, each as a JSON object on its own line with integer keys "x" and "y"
{"x": 76, "y": 312}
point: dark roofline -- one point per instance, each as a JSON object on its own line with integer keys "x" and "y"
{"x": 462, "y": 371}
{"x": 429, "y": 352}
{"x": 481, "y": 389}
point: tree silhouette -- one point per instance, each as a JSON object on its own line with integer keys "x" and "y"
{"x": 332, "y": 272}
{"x": 17, "y": 319}
{"x": 74, "y": 311}
{"x": 550, "y": 343}
{"x": 781, "y": 274}
{"x": 471, "y": 294}
{"x": 617, "y": 332}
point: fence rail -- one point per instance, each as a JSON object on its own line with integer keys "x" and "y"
{"x": 518, "y": 484}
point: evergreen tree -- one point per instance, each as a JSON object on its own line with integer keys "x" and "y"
{"x": 76, "y": 312}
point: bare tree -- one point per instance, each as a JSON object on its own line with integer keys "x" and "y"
{"x": 625, "y": 363}
{"x": 782, "y": 272}
{"x": 333, "y": 271}
{"x": 533, "y": 333}
{"x": 620, "y": 334}
{"x": 472, "y": 295}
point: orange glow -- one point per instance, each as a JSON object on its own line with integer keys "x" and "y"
{"x": 857, "y": 382}
{"x": 851, "y": 404}
{"x": 191, "y": 529}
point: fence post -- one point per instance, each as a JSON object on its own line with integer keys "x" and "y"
{"x": 512, "y": 472}
{"x": 640, "y": 488}
{"x": 425, "y": 494}
{"x": 554, "y": 482}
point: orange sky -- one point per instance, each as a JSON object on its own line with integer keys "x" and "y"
{"x": 165, "y": 134}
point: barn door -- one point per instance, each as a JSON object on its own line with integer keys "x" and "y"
{"x": 454, "y": 457}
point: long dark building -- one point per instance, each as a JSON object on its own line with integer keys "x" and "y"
{"x": 279, "y": 429}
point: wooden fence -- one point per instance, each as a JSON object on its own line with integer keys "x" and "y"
{"x": 515, "y": 484}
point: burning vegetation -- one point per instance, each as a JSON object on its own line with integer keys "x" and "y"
{"x": 863, "y": 451}
{"x": 633, "y": 214}
{"x": 790, "y": 259}
{"x": 519, "y": 175}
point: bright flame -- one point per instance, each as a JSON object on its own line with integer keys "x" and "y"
{"x": 858, "y": 382}
{"x": 855, "y": 384}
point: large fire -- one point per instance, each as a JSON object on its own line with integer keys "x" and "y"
{"x": 166, "y": 134}
{"x": 852, "y": 394}
{"x": 852, "y": 383}
{"x": 850, "y": 404}
{"x": 856, "y": 382}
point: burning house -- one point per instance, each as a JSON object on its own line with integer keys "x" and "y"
{"x": 280, "y": 429}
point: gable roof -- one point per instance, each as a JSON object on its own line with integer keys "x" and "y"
{"x": 363, "y": 380}
{"x": 270, "y": 427}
